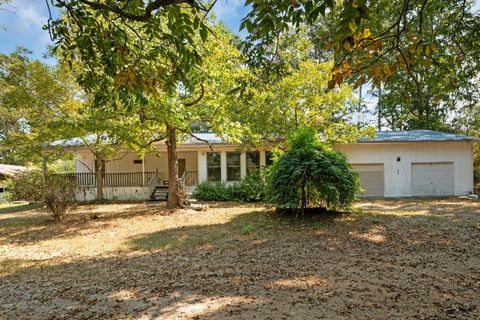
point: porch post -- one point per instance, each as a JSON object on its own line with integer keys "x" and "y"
{"x": 223, "y": 166}
{"x": 143, "y": 169}
{"x": 202, "y": 166}
{"x": 243, "y": 165}
{"x": 262, "y": 159}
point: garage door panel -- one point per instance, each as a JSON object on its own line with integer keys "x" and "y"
{"x": 433, "y": 179}
{"x": 371, "y": 179}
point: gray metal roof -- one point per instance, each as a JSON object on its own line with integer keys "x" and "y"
{"x": 416, "y": 136}
{"x": 10, "y": 170}
{"x": 77, "y": 142}
{"x": 381, "y": 136}
{"x": 90, "y": 139}
{"x": 203, "y": 138}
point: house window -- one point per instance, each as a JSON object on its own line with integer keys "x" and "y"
{"x": 214, "y": 172}
{"x": 268, "y": 158}
{"x": 233, "y": 166}
{"x": 2, "y": 190}
{"x": 138, "y": 161}
{"x": 253, "y": 161}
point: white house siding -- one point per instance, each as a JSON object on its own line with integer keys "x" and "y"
{"x": 124, "y": 162}
{"x": 114, "y": 193}
{"x": 83, "y": 161}
{"x": 223, "y": 149}
{"x": 398, "y": 174}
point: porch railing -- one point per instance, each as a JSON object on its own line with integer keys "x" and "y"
{"x": 191, "y": 178}
{"x": 125, "y": 179}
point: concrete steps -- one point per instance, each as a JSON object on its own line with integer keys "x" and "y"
{"x": 160, "y": 193}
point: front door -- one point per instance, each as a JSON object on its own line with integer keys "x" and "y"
{"x": 181, "y": 167}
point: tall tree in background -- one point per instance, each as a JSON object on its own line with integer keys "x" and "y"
{"x": 362, "y": 42}
{"x": 300, "y": 97}
{"x": 32, "y": 96}
{"x": 434, "y": 91}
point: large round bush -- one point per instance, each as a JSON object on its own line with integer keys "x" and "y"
{"x": 311, "y": 174}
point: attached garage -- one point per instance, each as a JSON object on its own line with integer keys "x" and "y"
{"x": 433, "y": 179}
{"x": 371, "y": 179}
{"x": 413, "y": 163}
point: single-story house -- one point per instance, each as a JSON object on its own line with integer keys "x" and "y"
{"x": 392, "y": 164}
{"x": 7, "y": 172}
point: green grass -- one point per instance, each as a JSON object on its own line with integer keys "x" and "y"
{"x": 16, "y": 206}
{"x": 250, "y": 226}
{"x": 256, "y": 225}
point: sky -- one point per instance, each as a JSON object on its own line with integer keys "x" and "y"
{"x": 21, "y": 23}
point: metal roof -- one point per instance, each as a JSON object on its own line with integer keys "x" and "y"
{"x": 203, "y": 138}
{"x": 11, "y": 171}
{"x": 90, "y": 139}
{"x": 381, "y": 136}
{"x": 416, "y": 136}
{"x": 77, "y": 142}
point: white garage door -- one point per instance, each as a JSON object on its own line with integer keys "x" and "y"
{"x": 433, "y": 179}
{"x": 371, "y": 179}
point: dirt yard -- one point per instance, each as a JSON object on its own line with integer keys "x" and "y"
{"x": 415, "y": 259}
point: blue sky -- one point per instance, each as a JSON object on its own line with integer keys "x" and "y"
{"x": 21, "y": 24}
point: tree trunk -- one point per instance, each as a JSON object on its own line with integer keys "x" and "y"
{"x": 99, "y": 173}
{"x": 304, "y": 198}
{"x": 359, "y": 107}
{"x": 173, "y": 199}
{"x": 379, "y": 107}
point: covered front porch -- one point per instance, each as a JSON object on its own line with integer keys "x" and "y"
{"x": 130, "y": 177}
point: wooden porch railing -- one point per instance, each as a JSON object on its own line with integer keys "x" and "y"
{"x": 126, "y": 179}
{"x": 191, "y": 178}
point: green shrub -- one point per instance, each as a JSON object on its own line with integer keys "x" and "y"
{"x": 56, "y": 194}
{"x": 250, "y": 189}
{"x": 311, "y": 174}
{"x": 211, "y": 191}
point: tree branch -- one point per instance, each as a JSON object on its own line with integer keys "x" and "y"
{"x": 151, "y": 6}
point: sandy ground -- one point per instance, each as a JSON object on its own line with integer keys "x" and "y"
{"x": 399, "y": 259}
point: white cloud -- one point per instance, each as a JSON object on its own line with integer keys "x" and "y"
{"x": 228, "y": 9}
{"x": 23, "y": 21}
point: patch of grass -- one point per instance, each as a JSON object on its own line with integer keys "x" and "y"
{"x": 17, "y": 206}
{"x": 318, "y": 224}
{"x": 376, "y": 220}
{"x": 9, "y": 266}
{"x": 433, "y": 218}
{"x": 254, "y": 225}
{"x": 24, "y": 222}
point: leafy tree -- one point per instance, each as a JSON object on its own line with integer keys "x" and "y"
{"x": 300, "y": 97}
{"x": 376, "y": 39}
{"x": 311, "y": 173}
{"x": 431, "y": 92}
{"x": 32, "y": 96}
{"x": 136, "y": 109}
{"x": 107, "y": 31}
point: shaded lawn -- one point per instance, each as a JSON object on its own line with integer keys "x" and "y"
{"x": 389, "y": 259}
{"x": 17, "y": 206}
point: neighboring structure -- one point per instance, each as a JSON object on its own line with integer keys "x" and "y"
{"x": 393, "y": 164}
{"x": 7, "y": 172}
